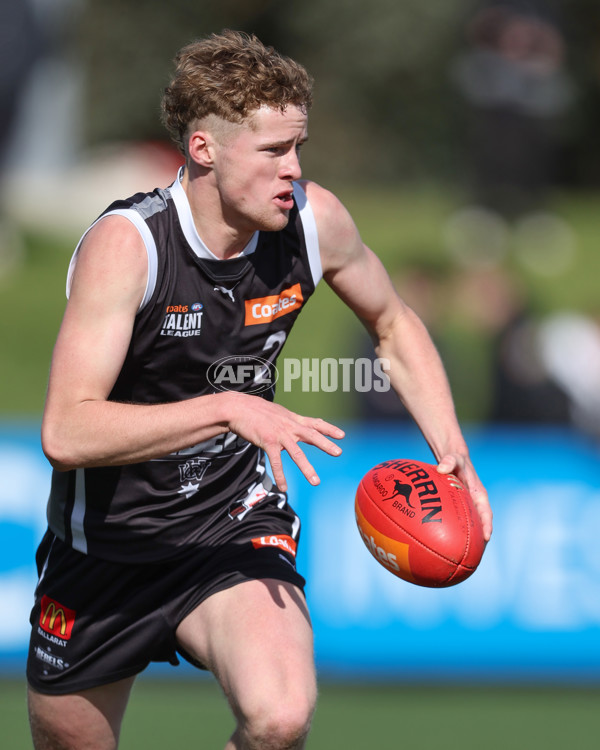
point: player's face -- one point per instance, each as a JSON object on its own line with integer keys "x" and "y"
{"x": 255, "y": 167}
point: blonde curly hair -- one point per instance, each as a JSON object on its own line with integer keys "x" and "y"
{"x": 230, "y": 75}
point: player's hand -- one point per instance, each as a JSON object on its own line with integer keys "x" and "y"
{"x": 463, "y": 468}
{"x": 274, "y": 428}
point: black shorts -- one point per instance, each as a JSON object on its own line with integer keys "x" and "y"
{"x": 96, "y": 621}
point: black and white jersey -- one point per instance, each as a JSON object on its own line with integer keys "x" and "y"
{"x": 196, "y": 311}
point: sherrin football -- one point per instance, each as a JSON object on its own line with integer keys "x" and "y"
{"x": 419, "y": 524}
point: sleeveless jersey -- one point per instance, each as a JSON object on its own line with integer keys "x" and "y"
{"x": 200, "y": 318}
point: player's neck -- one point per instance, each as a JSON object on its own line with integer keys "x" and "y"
{"x": 222, "y": 239}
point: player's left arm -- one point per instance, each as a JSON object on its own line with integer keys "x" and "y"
{"x": 416, "y": 371}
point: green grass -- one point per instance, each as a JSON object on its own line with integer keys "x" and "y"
{"x": 400, "y": 224}
{"x": 185, "y": 715}
{"x": 32, "y": 301}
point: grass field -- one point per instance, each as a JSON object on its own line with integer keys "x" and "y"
{"x": 188, "y": 715}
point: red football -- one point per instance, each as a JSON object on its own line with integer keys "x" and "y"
{"x": 419, "y": 524}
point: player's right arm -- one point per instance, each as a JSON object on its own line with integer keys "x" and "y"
{"x": 416, "y": 372}
{"x": 82, "y": 428}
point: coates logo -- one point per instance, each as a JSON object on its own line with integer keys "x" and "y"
{"x": 386, "y": 558}
{"x": 266, "y": 309}
{"x": 56, "y": 619}
{"x": 242, "y": 373}
{"x": 283, "y": 541}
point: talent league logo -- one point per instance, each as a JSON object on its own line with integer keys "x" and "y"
{"x": 183, "y": 320}
{"x": 56, "y": 619}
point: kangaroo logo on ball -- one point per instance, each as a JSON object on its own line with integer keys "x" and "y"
{"x": 402, "y": 489}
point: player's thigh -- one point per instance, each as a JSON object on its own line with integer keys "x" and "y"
{"x": 256, "y": 637}
{"x": 89, "y": 718}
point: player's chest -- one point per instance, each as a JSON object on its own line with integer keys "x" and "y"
{"x": 205, "y": 309}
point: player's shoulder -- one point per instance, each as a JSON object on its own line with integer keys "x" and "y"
{"x": 334, "y": 222}
{"x": 113, "y": 233}
{"x": 111, "y": 251}
{"x": 323, "y": 201}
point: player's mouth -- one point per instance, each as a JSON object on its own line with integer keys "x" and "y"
{"x": 285, "y": 200}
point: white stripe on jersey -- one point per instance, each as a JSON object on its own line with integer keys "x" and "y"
{"x": 77, "y": 516}
{"x": 311, "y": 235}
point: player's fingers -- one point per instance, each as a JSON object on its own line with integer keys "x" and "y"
{"x": 326, "y": 428}
{"x": 323, "y": 443}
{"x": 454, "y": 464}
{"x": 486, "y": 525}
{"x": 448, "y": 464}
{"x": 299, "y": 458}
{"x": 482, "y": 504}
{"x": 274, "y": 456}
{"x": 488, "y": 528}
{"x": 313, "y": 432}
{"x": 321, "y": 426}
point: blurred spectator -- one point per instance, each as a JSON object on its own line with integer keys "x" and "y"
{"x": 544, "y": 369}
{"x": 538, "y": 369}
{"x": 522, "y": 390}
{"x": 514, "y": 81}
{"x": 569, "y": 346}
{"x": 21, "y": 46}
{"x": 548, "y": 370}
{"x": 490, "y": 315}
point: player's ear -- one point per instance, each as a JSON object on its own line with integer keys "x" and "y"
{"x": 201, "y": 148}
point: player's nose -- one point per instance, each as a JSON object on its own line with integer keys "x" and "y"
{"x": 291, "y": 169}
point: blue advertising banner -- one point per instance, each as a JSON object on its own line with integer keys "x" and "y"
{"x": 24, "y": 486}
{"x": 530, "y": 612}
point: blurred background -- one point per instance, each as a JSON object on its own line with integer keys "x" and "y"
{"x": 462, "y": 136}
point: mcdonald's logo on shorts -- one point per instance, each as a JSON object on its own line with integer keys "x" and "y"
{"x": 56, "y": 619}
